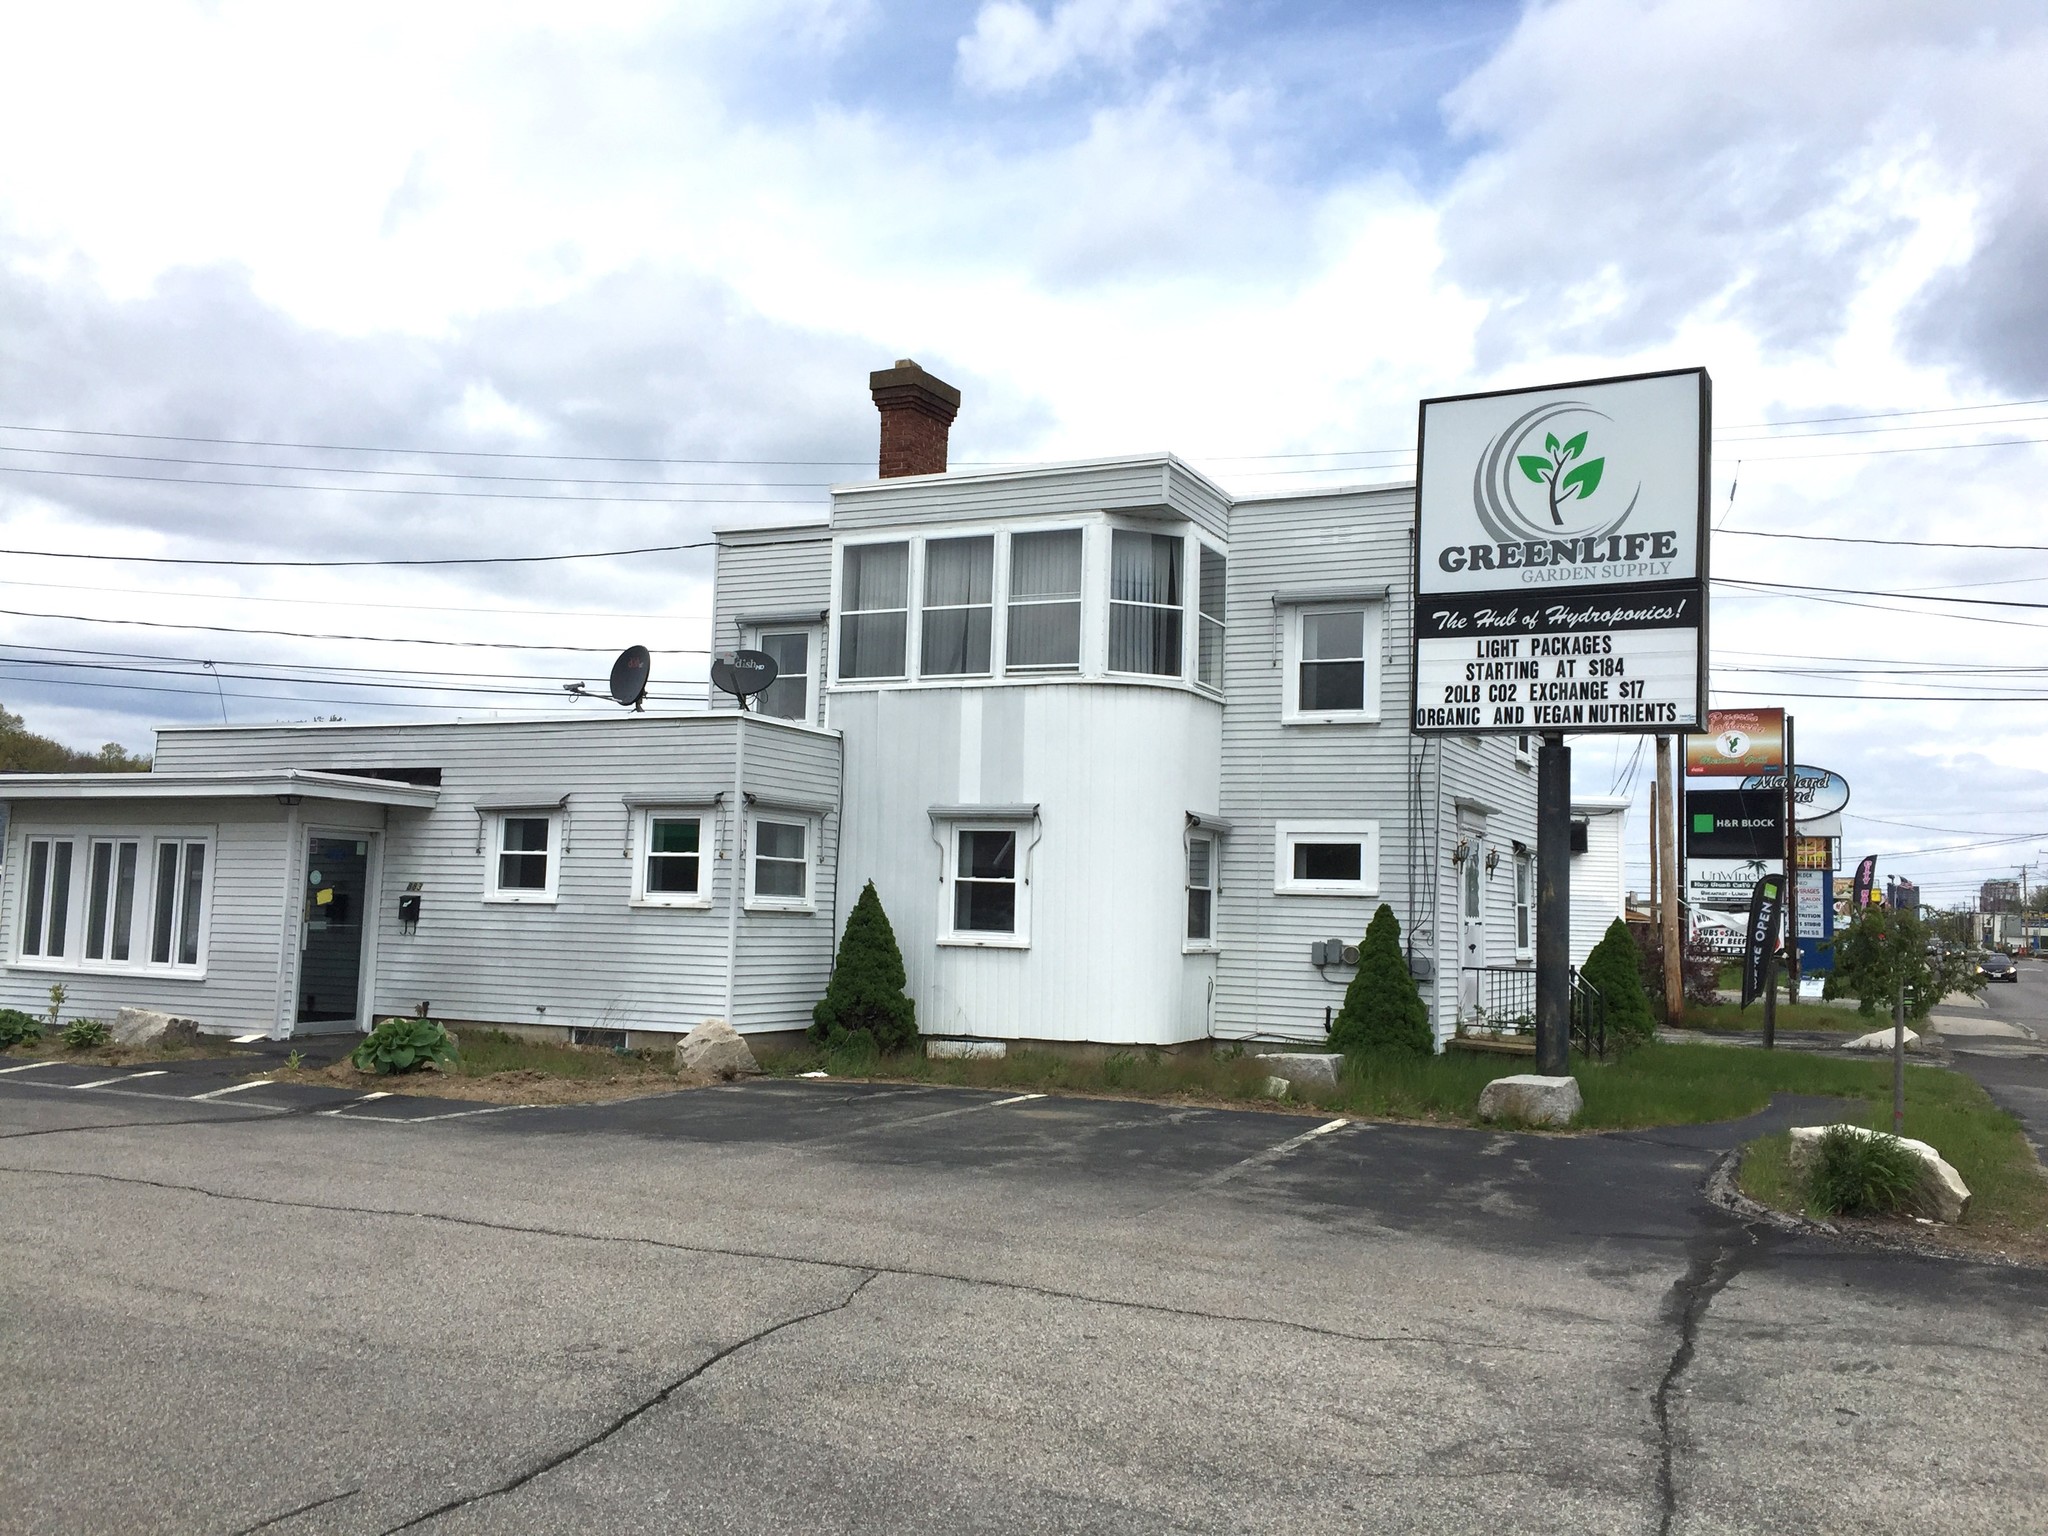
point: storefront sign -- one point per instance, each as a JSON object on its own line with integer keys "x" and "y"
{"x": 1561, "y": 560}
{"x": 1736, "y": 743}
{"x": 1724, "y": 885}
{"x": 1735, "y": 824}
{"x": 1816, "y": 792}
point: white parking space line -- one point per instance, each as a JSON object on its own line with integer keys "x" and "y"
{"x": 1273, "y": 1154}
{"x": 125, "y": 1077}
{"x": 247, "y": 1039}
{"x": 221, "y": 1093}
{"x": 353, "y": 1102}
{"x": 1022, "y": 1098}
{"x": 460, "y": 1114}
{"x": 32, "y": 1066}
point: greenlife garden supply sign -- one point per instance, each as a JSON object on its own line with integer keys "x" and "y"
{"x": 1561, "y": 558}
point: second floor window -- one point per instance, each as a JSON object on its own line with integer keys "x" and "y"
{"x": 959, "y": 585}
{"x": 1145, "y": 602}
{"x": 789, "y": 696}
{"x": 1045, "y": 600}
{"x": 875, "y": 610}
{"x": 1209, "y": 638}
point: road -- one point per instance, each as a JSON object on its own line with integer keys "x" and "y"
{"x": 830, "y": 1308}
{"x": 2012, "y": 1063}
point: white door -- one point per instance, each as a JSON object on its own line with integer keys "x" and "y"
{"x": 1472, "y": 919}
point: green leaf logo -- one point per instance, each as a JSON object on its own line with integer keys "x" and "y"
{"x": 1550, "y": 442}
{"x": 1575, "y": 447}
{"x": 1535, "y": 466}
{"x": 1585, "y": 479}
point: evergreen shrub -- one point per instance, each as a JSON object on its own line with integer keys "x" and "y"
{"x": 1614, "y": 970}
{"x": 1383, "y": 1013}
{"x": 864, "y": 1003}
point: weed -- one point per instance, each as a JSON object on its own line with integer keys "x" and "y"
{"x": 1856, "y": 1175}
{"x": 293, "y": 1059}
{"x": 57, "y": 995}
{"x": 83, "y": 1034}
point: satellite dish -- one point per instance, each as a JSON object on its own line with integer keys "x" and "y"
{"x": 629, "y": 676}
{"x": 743, "y": 673}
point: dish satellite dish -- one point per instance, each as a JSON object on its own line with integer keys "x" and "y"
{"x": 629, "y": 676}
{"x": 743, "y": 673}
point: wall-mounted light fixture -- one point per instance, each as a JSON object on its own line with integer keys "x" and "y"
{"x": 1492, "y": 860}
{"x": 1462, "y": 852}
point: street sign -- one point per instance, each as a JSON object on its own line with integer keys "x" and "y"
{"x": 1561, "y": 558}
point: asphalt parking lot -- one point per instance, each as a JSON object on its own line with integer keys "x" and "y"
{"x": 836, "y": 1308}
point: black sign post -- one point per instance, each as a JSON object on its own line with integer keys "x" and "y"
{"x": 1553, "y": 905}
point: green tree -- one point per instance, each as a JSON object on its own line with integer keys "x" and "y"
{"x": 1614, "y": 970}
{"x": 1383, "y": 1013}
{"x": 1882, "y": 950}
{"x": 865, "y": 1001}
{"x": 22, "y": 751}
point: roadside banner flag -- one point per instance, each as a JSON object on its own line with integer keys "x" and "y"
{"x": 1766, "y": 902}
{"x": 1866, "y": 877}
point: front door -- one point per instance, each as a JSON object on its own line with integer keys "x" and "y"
{"x": 1472, "y": 917}
{"x": 331, "y": 932}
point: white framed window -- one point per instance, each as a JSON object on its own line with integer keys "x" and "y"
{"x": 1525, "y": 751}
{"x": 779, "y": 850}
{"x": 1326, "y": 858}
{"x": 1209, "y": 623}
{"x": 669, "y": 868}
{"x": 794, "y": 652}
{"x": 1475, "y": 899}
{"x": 46, "y": 898}
{"x": 1332, "y": 670}
{"x": 117, "y": 901}
{"x": 959, "y": 607}
{"x": 524, "y": 851}
{"x": 874, "y": 611}
{"x": 1145, "y": 602}
{"x": 987, "y": 896}
{"x": 1200, "y": 933}
{"x": 1525, "y": 905}
{"x": 1044, "y": 609}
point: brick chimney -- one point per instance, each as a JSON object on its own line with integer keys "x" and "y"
{"x": 917, "y": 413}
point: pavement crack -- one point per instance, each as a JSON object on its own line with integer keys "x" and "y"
{"x": 1716, "y": 1258}
{"x": 1020, "y": 1287}
{"x": 645, "y": 1405}
{"x": 304, "y": 1509}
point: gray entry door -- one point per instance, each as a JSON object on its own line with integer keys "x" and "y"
{"x": 331, "y": 932}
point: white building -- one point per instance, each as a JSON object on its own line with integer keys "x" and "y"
{"x": 1126, "y": 758}
{"x": 1599, "y": 874}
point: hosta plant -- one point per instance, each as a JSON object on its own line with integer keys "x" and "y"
{"x": 18, "y": 1028}
{"x": 84, "y": 1034}
{"x": 404, "y": 1045}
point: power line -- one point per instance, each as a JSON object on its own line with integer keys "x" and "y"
{"x": 336, "y": 565}
{"x": 295, "y": 634}
{"x": 1846, "y": 602}
{"x": 412, "y": 490}
{"x": 353, "y": 602}
{"x": 1834, "y": 538}
{"x": 230, "y": 661}
{"x": 259, "y": 677}
{"x": 285, "y": 698}
{"x": 1911, "y": 597}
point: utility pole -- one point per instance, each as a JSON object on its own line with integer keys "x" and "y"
{"x": 1667, "y": 913}
{"x": 1554, "y": 906}
{"x": 1657, "y": 837}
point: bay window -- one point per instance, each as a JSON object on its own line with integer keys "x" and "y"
{"x": 1209, "y": 633}
{"x": 1145, "y": 602}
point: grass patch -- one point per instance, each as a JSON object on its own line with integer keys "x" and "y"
{"x": 1653, "y": 1085}
{"x": 487, "y": 1052}
{"x": 1726, "y": 1018}
{"x": 1948, "y": 1111}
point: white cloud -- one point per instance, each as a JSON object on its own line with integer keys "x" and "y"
{"x": 1013, "y": 47}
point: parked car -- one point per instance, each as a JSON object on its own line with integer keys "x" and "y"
{"x": 1997, "y": 967}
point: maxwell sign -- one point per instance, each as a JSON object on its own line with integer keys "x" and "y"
{"x": 1561, "y": 562}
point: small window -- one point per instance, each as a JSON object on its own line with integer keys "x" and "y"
{"x": 874, "y": 611}
{"x": 1145, "y": 602}
{"x": 789, "y": 696}
{"x": 178, "y": 911}
{"x": 1475, "y": 906}
{"x": 46, "y": 898}
{"x": 1331, "y": 674}
{"x": 671, "y": 860}
{"x": 985, "y": 892}
{"x": 110, "y": 901}
{"x": 1329, "y": 859}
{"x": 524, "y": 851}
{"x": 779, "y": 856}
{"x": 1045, "y": 601}
{"x": 1525, "y": 906}
{"x": 1209, "y": 639}
{"x": 1201, "y": 930}
{"x": 959, "y": 584}
{"x": 1525, "y": 750}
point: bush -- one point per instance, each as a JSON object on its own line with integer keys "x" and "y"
{"x": 1383, "y": 1013}
{"x": 84, "y": 1034}
{"x": 1856, "y": 1175}
{"x": 1614, "y": 970}
{"x": 1699, "y": 968}
{"x": 18, "y": 1028}
{"x": 403, "y": 1045}
{"x": 865, "y": 1001}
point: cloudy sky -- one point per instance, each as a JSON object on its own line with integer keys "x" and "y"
{"x": 409, "y": 259}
